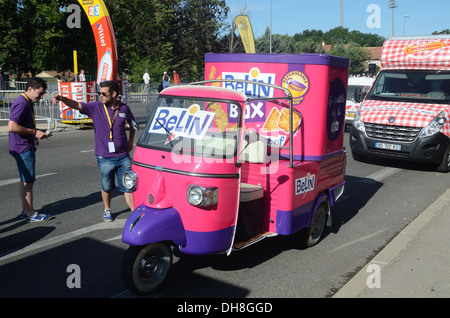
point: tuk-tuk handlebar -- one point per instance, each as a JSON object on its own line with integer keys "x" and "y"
{"x": 248, "y": 99}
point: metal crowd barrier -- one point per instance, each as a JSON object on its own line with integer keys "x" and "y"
{"x": 141, "y": 105}
{"x": 43, "y": 110}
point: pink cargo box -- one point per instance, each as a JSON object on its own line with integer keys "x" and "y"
{"x": 318, "y": 84}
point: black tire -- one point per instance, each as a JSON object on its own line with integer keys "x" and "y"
{"x": 314, "y": 232}
{"x": 145, "y": 267}
{"x": 444, "y": 166}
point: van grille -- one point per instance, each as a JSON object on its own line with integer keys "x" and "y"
{"x": 392, "y": 133}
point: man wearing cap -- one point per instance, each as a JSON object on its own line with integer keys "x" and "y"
{"x": 164, "y": 77}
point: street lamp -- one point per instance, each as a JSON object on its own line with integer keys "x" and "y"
{"x": 404, "y": 23}
{"x": 392, "y": 6}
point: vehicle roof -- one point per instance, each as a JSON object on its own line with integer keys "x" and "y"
{"x": 203, "y": 91}
{"x": 426, "y": 53}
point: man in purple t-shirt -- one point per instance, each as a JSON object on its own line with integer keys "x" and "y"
{"x": 112, "y": 146}
{"x": 22, "y": 146}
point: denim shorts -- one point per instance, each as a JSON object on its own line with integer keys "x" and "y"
{"x": 111, "y": 167}
{"x": 26, "y": 162}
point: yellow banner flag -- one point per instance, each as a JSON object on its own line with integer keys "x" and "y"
{"x": 245, "y": 30}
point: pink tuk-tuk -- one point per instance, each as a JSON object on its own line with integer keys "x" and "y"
{"x": 227, "y": 162}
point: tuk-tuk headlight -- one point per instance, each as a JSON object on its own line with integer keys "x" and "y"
{"x": 129, "y": 180}
{"x": 200, "y": 196}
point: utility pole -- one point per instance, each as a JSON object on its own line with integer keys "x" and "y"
{"x": 392, "y": 6}
{"x": 270, "y": 27}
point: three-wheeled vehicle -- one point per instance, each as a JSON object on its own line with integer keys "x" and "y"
{"x": 208, "y": 180}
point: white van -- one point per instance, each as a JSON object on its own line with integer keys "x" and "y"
{"x": 406, "y": 113}
{"x": 357, "y": 88}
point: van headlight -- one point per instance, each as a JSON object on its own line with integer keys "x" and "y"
{"x": 434, "y": 126}
{"x": 357, "y": 122}
{"x": 200, "y": 196}
{"x": 129, "y": 180}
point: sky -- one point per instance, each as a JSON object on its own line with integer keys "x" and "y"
{"x": 367, "y": 16}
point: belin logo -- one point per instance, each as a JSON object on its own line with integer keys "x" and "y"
{"x": 305, "y": 184}
{"x": 178, "y": 122}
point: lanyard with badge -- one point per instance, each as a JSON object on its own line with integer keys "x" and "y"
{"x": 32, "y": 111}
{"x": 111, "y": 146}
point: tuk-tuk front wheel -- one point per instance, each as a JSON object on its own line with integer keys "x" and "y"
{"x": 314, "y": 232}
{"x": 145, "y": 267}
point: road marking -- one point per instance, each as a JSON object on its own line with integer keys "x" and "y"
{"x": 91, "y": 150}
{"x": 358, "y": 240}
{"x": 118, "y": 237}
{"x": 16, "y": 180}
{"x": 380, "y": 175}
{"x": 117, "y": 224}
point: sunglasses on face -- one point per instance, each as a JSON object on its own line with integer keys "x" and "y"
{"x": 103, "y": 93}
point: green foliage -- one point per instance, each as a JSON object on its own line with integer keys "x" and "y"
{"x": 357, "y": 55}
{"x": 158, "y": 35}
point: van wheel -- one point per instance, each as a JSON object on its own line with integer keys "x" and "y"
{"x": 145, "y": 267}
{"x": 314, "y": 232}
{"x": 445, "y": 164}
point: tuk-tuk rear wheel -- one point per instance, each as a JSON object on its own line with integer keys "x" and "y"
{"x": 314, "y": 232}
{"x": 145, "y": 267}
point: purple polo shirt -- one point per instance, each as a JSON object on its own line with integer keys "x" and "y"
{"x": 96, "y": 111}
{"x": 22, "y": 114}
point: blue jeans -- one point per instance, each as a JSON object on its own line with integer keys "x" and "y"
{"x": 26, "y": 163}
{"x": 111, "y": 167}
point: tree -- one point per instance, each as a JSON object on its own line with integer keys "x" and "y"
{"x": 201, "y": 22}
{"x": 356, "y": 53}
{"x": 161, "y": 35}
{"x": 35, "y": 36}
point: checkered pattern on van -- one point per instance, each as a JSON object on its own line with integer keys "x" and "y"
{"x": 433, "y": 53}
{"x": 404, "y": 114}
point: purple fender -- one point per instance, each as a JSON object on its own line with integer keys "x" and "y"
{"x": 147, "y": 225}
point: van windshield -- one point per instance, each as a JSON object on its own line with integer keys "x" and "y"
{"x": 206, "y": 128}
{"x": 412, "y": 86}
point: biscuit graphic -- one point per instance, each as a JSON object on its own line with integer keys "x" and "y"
{"x": 221, "y": 117}
{"x": 212, "y": 74}
{"x": 283, "y": 122}
{"x": 272, "y": 120}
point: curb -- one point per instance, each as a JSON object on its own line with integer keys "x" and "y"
{"x": 355, "y": 286}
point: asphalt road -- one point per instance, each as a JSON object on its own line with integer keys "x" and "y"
{"x": 37, "y": 260}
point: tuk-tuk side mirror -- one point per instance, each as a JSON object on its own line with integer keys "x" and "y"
{"x": 136, "y": 127}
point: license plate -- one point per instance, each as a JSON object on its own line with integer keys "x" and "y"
{"x": 350, "y": 114}
{"x": 388, "y": 146}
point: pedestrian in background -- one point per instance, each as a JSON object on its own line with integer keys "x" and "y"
{"x": 82, "y": 76}
{"x": 164, "y": 75}
{"x": 112, "y": 147}
{"x": 165, "y": 82}
{"x": 146, "y": 79}
{"x": 22, "y": 144}
{"x": 2, "y": 81}
{"x": 176, "y": 78}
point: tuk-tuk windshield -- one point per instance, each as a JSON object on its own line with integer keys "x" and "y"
{"x": 200, "y": 127}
